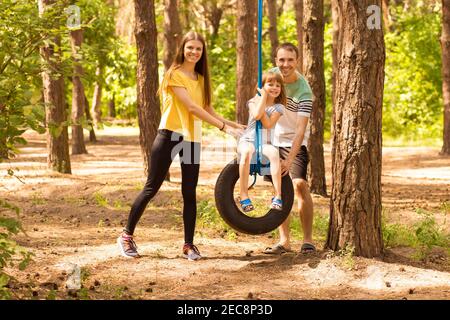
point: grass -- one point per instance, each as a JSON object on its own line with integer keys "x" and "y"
{"x": 102, "y": 201}
{"x": 346, "y": 256}
{"x": 75, "y": 201}
{"x": 320, "y": 226}
{"x": 38, "y": 199}
{"x": 423, "y": 235}
{"x": 445, "y": 207}
{"x": 408, "y": 142}
{"x": 209, "y": 217}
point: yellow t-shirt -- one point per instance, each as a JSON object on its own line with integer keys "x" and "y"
{"x": 174, "y": 115}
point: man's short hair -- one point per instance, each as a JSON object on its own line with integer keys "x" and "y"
{"x": 287, "y": 46}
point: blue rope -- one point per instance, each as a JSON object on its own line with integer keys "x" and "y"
{"x": 256, "y": 168}
{"x": 260, "y": 19}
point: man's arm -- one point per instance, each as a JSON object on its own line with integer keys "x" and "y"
{"x": 302, "y": 123}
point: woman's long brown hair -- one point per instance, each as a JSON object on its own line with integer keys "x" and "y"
{"x": 201, "y": 67}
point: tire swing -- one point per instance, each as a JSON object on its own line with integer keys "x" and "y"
{"x": 227, "y": 179}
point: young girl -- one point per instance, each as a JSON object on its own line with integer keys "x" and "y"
{"x": 186, "y": 99}
{"x": 267, "y": 108}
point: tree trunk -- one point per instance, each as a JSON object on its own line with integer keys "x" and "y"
{"x": 78, "y": 146}
{"x": 112, "y": 107}
{"x": 314, "y": 72}
{"x": 445, "y": 45}
{"x": 273, "y": 33}
{"x": 185, "y": 14}
{"x": 335, "y": 56}
{"x": 149, "y": 113}
{"x": 246, "y": 57}
{"x": 125, "y": 20}
{"x": 92, "y": 137}
{"x": 97, "y": 99}
{"x": 355, "y": 217}
{"x": 55, "y": 113}
{"x": 3, "y": 148}
{"x": 281, "y": 7}
{"x": 386, "y": 14}
{"x": 214, "y": 18}
{"x": 172, "y": 32}
{"x": 298, "y": 7}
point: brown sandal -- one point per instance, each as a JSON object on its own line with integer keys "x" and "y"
{"x": 308, "y": 248}
{"x": 277, "y": 249}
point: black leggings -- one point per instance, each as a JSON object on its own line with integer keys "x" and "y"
{"x": 166, "y": 146}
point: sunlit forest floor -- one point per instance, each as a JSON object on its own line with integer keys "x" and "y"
{"x": 75, "y": 219}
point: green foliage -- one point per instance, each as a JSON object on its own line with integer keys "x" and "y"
{"x": 423, "y": 235}
{"x": 209, "y": 217}
{"x": 9, "y": 249}
{"x": 395, "y": 234}
{"x": 22, "y": 32}
{"x": 102, "y": 50}
{"x": 320, "y": 226}
{"x": 120, "y": 79}
{"x": 346, "y": 255}
{"x": 101, "y": 200}
{"x": 429, "y": 233}
{"x": 413, "y": 86}
{"x": 222, "y": 62}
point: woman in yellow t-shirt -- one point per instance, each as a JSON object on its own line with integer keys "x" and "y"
{"x": 186, "y": 101}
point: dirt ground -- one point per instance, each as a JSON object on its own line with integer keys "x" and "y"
{"x": 75, "y": 219}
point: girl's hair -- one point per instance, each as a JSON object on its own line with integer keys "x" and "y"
{"x": 201, "y": 66}
{"x": 276, "y": 77}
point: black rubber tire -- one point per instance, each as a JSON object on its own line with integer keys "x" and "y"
{"x": 233, "y": 216}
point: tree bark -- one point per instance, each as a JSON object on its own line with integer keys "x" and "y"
{"x": 185, "y": 14}
{"x": 78, "y": 146}
{"x": 3, "y": 148}
{"x": 149, "y": 113}
{"x": 210, "y": 13}
{"x": 56, "y": 115}
{"x": 172, "y": 32}
{"x": 97, "y": 99}
{"x": 92, "y": 137}
{"x": 335, "y": 56}
{"x": 273, "y": 33}
{"x": 445, "y": 45}
{"x": 125, "y": 20}
{"x": 355, "y": 219}
{"x": 214, "y": 17}
{"x": 386, "y": 14}
{"x": 112, "y": 107}
{"x": 298, "y": 7}
{"x": 246, "y": 57}
{"x": 281, "y": 7}
{"x": 314, "y": 72}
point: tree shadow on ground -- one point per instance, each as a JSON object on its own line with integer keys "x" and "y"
{"x": 436, "y": 260}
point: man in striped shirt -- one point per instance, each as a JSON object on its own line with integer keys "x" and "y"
{"x": 291, "y": 137}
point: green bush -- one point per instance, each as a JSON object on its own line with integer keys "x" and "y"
{"x": 9, "y": 249}
{"x": 413, "y": 85}
{"x": 423, "y": 235}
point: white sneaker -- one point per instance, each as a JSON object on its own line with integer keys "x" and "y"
{"x": 127, "y": 246}
{"x": 191, "y": 252}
